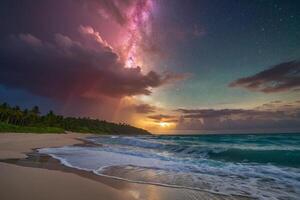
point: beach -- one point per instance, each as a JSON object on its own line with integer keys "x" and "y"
{"x": 19, "y": 182}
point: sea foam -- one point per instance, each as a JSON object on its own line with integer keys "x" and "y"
{"x": 260, "y": 166}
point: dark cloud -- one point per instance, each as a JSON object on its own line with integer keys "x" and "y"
{"x": 87, "y": 68}
{"x": 175, "y": 120}
{"x": 161, "y": 117}
{"x": 277, "y": 101}
{"x": 144, "y": 108}
{"x": 247, "y": 125}
{"x": 280, "y": 117}
{"x": 279, "y": 78}
{"x": 280, "y": 105}
{"x": 212, "y": 113}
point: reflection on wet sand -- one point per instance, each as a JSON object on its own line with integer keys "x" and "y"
{"x": 135, "y": 190}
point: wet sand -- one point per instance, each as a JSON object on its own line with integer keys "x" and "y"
{"x": 39, "y": 177}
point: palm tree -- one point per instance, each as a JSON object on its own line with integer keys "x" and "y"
{"x": 4, "y": 111}
{"x": 33, "y": 115}
{"x": 25, "y": 117}
{"x": 35, "y": 110}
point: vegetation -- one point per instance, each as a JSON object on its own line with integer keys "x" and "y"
{"x": 14, "y": 119}
{"x": 4, "y": 127}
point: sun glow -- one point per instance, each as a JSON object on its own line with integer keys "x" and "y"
{"x": 164, "y": 124}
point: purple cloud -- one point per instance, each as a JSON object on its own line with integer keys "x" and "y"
{"x": 279, "y": 117}
{"x": 279, "y": 78}
{"x": 144, "y": 108}
{"x": 88, "y": 68}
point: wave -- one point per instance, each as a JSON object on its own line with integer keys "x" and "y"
{"x": 277, "y": 157}
{"x": 267, "y": 151}
{"x": 267, "y": 169}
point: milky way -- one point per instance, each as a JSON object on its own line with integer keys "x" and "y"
{"x": 145, "y": 61}
{"x": 139, "y": 27}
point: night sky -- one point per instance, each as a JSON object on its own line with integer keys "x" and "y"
{"x": 191, "y": 66}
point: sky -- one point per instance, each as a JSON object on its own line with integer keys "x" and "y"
{"x": 193, "y": 66}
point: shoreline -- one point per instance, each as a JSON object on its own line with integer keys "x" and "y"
{"x": 22, "y": 157}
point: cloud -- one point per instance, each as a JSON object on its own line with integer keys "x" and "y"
{"x": 212, "y": 113}
{"x": 93, "y": 38}
{"x": 280, "y": 116}
{"x": 278, "y": 78}
{"x": 144, "y": 108}
{"x": 87, "y": 68}
{"x": 30, "y": 40}
{"x": 245, "y": 125}
{"x": 162, "y": 117}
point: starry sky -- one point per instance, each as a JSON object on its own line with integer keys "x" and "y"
{"x": 192, "y": 66}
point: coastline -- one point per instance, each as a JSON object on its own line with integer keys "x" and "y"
{"x": 61, "y": 182}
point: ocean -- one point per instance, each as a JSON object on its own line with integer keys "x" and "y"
{"x": 255, "y": 165}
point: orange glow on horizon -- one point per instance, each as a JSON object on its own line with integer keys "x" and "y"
{"x": 164, "y": 124}
{"x": 153, "y": 126}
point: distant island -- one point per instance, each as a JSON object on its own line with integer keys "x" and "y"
{"x": 14, "y": 119}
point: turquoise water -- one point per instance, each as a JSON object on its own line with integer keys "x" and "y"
{"x": 255, "y": 165}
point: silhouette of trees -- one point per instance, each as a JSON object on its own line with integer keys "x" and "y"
{"x": 33, "y": 118}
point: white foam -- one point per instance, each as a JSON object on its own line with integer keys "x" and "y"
{"x": 261, "y": 181}
{"x": 92, "y": 159}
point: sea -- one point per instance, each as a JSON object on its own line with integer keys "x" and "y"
{"x": 262, "y": 166}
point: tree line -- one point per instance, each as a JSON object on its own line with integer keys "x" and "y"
{"x": 33, "y": 118}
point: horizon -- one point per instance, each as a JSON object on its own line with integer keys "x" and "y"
{"x": 192, "y": 66}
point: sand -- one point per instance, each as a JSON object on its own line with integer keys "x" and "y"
{"x": 27, "y": 183}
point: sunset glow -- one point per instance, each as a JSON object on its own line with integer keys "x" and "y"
{"x": 167, "y": 99}
{"x": 164, "y": 124}
{"x": 159, "y": 65}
